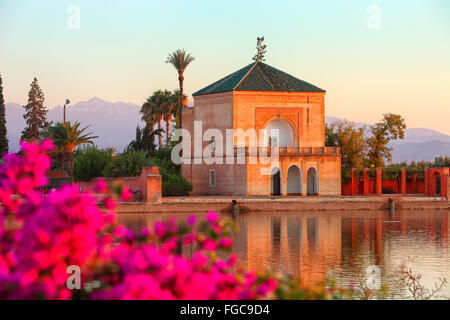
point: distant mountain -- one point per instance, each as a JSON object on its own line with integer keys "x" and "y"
{"x": 115, "y": 124}
{"x": 14, "y": 124}
{"x": 417, "y": 135}
{"x": 417, "y": 151}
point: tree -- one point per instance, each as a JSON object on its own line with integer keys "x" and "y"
{"x": 180, "y": 60}
{"x": 89, "y": 162}
{"x": 351, "y": 140}
{"x": 441, "y": 162}
{"x": 153, "y": 109}
{"x": 3, "y": 132}
{"x": 145, "y": 139}
{"x": 66, "y": 138}
{"x": 171, "y": 111}
{"x": 161, "y": 105}
{"x": 167, "y": 106}
{"x": 391, "y": 127}
{"x": 35, "y": 113}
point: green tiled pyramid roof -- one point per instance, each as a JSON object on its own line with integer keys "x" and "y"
{"x": 259, "y": 76}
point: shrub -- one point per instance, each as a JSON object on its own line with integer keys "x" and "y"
{"x": 90, "y": 162}
{"x": 175, "y": 185}
{"x": 390, "y": 174}
{"x": 163, "y": 158}
{"x": 127, "y": 164}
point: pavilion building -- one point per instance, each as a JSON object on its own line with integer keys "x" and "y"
{"x": 262, "y": 99}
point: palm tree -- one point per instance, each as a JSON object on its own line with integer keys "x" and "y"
{"x": 173, "y": 108}
{"x": 180, "y": 60}
{"x": 66, "y": 138}
{"x": 155, "y": 109}
{"x": 166, "y": 107}
{"x": 167, "y": 116}
{"x": 145, "y": 139}
{"x": 151, "y": 112}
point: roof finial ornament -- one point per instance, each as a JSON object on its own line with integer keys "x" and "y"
{"x": 259, "y": 56}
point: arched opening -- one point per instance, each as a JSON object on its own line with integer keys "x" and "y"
{"x": 294, "y": 181}
{"x": 312, "y": 181}
{"x": 437, "y": 178}
{"x": 275, "y": 182}
{"x": 279, "y": 133}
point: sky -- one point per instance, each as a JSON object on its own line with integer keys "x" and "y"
{"x": 372, "y": 57}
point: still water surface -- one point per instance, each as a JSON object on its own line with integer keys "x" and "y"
{"x": 337, "y": 245}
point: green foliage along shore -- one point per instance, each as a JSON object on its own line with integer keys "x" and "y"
{"x": 91, "y": 162}
{"x": 364, "y": 147}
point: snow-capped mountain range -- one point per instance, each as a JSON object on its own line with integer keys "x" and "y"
{"x": 115, "y": 124}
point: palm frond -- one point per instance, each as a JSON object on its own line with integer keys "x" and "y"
{"x": 180, "y": 59}
{"x": 67, "y": 137}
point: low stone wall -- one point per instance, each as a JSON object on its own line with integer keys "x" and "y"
{"x": 149, "y": 184}
{"x": 436, "y": 183}
{"x": 412, "y": 187}
{"x": 204, "y": 204}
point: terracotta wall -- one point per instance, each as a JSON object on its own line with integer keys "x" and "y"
{"x": 130, "y": 182}
{"x": 346, "y": 189}
{"x": 214, "y": 110}
{"x": 230, "y": 178}
{"x": 149, "y": 184}
{"x": 432, "y": 175}
{"x": 418, "y": 188}
{"x": 253, "y": 111}
{"x": 249, "y": 179}
{"x": 328, "y": 169}
{"x": 303, "y": 110}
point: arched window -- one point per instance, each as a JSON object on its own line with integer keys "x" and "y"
{"x": 279, "y": 133}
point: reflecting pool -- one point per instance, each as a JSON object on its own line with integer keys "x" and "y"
{"x": 337, "y": 245}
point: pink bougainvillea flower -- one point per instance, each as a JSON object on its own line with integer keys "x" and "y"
{"x": 100, "y": 186}
{"x": 209, "y": 245}
{"x": 226, "y": 242}
{"x": 191, "y": 220}
{"x": 160, "y": 229}
{"x": 126, "y": 194}
{"x": 212, "y": 218}
{"x": 44, "y": 235}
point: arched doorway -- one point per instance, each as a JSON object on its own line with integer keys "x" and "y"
{"x": 294, "y": 181}
{"x": 275, "y": 182}
{"x": 279, "y": 133}
{"x": 312, "y": 181}
{"x": 437, "y": 178}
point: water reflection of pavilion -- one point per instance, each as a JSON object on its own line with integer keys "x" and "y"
{"x": 341, "y": 243}
{"x": 289, "y": 243}
{"x": 311, "y": 245}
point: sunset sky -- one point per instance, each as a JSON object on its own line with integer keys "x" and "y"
{"x": 401, "y": 64}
